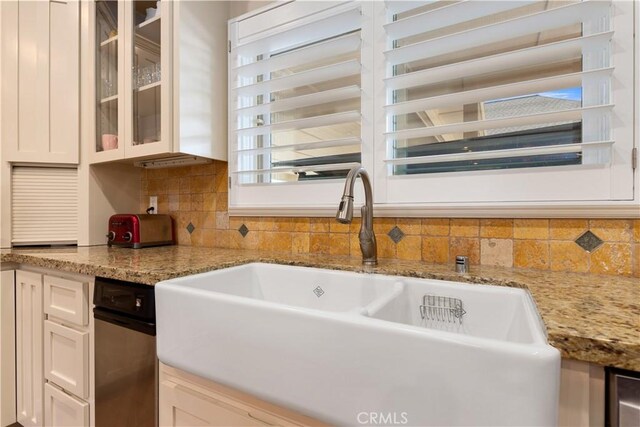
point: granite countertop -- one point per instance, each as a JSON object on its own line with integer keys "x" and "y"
{"x": 591, "y": 318}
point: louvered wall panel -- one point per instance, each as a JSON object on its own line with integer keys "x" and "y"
{"x": 44, "y": 205}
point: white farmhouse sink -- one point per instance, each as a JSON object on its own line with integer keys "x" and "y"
{"x": 361, "y": 351}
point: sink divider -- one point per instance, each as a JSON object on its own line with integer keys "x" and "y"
{"x": 374, "y": 306}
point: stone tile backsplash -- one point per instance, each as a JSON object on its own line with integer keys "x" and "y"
{"x": 197, "y": 196}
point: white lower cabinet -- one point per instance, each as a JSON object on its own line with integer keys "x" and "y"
{"x": 183, "y": 406}
{"x": 29, "y": 353}
{"x": 62, "y": 409}
{"x": 54, "y": 350}
{"x": 187, "y": 400}
{"x": 7, "y": 347}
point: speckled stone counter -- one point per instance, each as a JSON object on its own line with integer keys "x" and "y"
{"x": 588, "y": 317}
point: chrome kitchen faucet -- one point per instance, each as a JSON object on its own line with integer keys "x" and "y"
{"x": 345, "y": 214}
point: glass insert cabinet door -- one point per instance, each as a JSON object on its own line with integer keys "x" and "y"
{"x": 146, "y": 73}
{"x": 147, "y": 64}
{"x": 132, "y": 60}
{"x": 109, "y": 21}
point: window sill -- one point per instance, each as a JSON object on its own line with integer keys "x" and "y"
{"x": 618, "y": 209}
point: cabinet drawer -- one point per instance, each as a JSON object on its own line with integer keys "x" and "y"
{"x": 66, "y": 358}
{"x": 66, "y": 299}
{"x": 60, "y": 409}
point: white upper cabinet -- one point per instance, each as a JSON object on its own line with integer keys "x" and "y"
{"x": 160, "y": 79}
{"x": 40, "y": 81}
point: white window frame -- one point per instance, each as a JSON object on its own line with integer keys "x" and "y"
{"x": 296, "y": 198}
{"x": 612, "y": 190}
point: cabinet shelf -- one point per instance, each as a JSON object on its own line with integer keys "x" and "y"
{"x": 147, "y": 100}
{"x": 148, "y": 87}
{"x": 150, "y": 29}
{"x": 109, "y": 41}
{"x": 108, "y": 99}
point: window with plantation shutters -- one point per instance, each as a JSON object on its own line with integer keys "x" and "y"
{"x": 506, "y": 101}
{"x": 295, "y": 75}
{"x": 501, "y": 106}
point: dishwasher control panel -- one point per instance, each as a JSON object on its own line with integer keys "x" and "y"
{"x": 132, "y": 299}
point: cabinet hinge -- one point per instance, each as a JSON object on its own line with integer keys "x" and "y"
{"x": 229, "y": 45}
{"x": 634, "y": 158}
{"x": 229, "y": 182}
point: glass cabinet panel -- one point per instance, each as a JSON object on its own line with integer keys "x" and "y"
{"x": 107, "y": 75}
{"x": 146, "y": 72}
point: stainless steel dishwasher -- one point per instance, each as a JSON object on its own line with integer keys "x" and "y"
{"x": 126, "y": 364}
{"x": 623, "y": 398}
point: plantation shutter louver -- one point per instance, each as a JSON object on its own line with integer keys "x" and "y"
{"x": 481, "y": 85}
{"x": 44, "y": 205}
{"x": 295, "y": 89}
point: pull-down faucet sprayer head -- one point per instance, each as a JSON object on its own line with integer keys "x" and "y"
{"x": 345, "y": 210}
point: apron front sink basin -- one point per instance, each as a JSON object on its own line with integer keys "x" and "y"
{"x": 340, "y": 346}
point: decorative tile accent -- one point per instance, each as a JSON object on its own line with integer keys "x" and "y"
{"x": 243, "y": 230}
{"x": 589, "y": 241}
{"x": 190, "y": 228}
{"x": 396, "y": 234}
